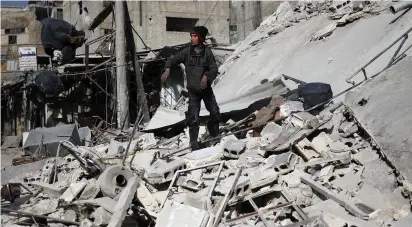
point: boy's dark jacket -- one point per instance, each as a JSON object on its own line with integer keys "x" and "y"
{"x": 196, "y": 65}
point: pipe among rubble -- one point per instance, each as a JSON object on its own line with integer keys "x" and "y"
{"x": 400, "y": 6}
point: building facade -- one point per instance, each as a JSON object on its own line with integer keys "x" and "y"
{"x": 246, "y": 16}
{"x": 159, "y": 23}
{"x": 19, "y": 28}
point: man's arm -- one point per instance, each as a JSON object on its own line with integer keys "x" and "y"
{"x": 211, "y": 74}
{"x": 177, "y": 59}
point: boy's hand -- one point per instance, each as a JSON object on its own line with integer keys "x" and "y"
{"x": 203, "y": 82}
{"x": 165, "y": 75}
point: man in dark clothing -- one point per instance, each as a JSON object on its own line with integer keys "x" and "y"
{"x": 57, "y": 34}
{"x": 201, "y": 70}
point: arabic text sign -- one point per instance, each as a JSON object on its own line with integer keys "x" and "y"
{"x": 27, "y": 58}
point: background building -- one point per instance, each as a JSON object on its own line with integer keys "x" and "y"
{"x": 159, "y": 23}
{"x": 19, "y": 28}
{"x": 246, "y": 16}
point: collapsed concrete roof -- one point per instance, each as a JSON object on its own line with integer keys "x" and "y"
{"x": 279, "y": 47}
{"x": 382, "y": 105}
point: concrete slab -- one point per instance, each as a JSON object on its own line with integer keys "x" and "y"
{"x": 51, "y": 138}
{"x": 124, "y": 202}
{"x": 331, "y": 207}
{"x": 384, "y": 113}
{"x": 90, "y": 191}
{"x": 11, "y": 142}
{"x": 179, "y": 215}
{"x": 349, "y": 182}
{"x": 372, "y": 197}
{"x": 73, "y": 190}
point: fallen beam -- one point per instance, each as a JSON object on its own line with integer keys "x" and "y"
{"x": 324, "y": 160}
{"x": 338, "y": 199}
{"x": 126, "y": 198}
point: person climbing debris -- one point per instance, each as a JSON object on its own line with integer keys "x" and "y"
{"x": 59, "y": 36}
{"x": 201, "y": 69}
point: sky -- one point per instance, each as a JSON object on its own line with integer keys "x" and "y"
{"x": 13, "y": 3}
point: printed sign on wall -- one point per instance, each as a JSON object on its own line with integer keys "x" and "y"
{"x": 27, "y": 58}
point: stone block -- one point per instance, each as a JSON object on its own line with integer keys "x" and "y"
{"x": 233, "y": 148}
{"x": 179, "y": 215}
{"x": 71, "y": 193}
{"x": 165, "y": 173}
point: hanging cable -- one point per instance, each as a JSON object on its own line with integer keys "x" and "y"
{"x": 211, "y": 13}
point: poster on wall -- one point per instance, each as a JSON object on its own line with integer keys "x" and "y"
{"x": 27, "y": 58}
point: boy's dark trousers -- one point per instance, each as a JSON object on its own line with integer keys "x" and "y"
{"x": 192, "y": 114}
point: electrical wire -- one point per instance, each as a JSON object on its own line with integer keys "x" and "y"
{"x": 211, "y": 13}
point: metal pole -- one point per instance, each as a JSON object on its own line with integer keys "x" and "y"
{"x": 122, "y": 95}
{"x": 131, "y": 46}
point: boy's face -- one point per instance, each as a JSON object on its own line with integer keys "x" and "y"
{"x": 194, "y": 39}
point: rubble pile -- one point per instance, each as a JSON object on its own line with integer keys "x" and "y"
{"x": 291, "y": 168}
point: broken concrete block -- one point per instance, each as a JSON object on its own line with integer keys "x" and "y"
{"x": 51, "y": 137}
{"x": 124, "y": 202}
{"x": 71, "y": 193}
{"x": 90, "y": 191}
{"x": 147, "y": 140}
{"x": 284, "y": 11}
{"x": 342, "y": 21}
{"x": 114, "y": 179}
{"x": 194, "y": 180}
{"x": 325, "y": 173}
{"x": 233, "y": 148}
{"x": 366, "y": 155}
{"x": 47, "y": 172}
{"x": 142, "y": 160}
{"x": 271, "y": 128}
{"x": 349, "y": 182}
{"x": 292, "y": 179}
{"x": 11, "y": 142}
{"x": 321, "y": 142}
{"x": 355, "y": 16}
{"x": 203, "y": 156}
{"x": 338, "y": 147}
{"x": 348, "y": 128}
{"x": 250, "y": 159}
{"x": 306, "y": 149}
{"x": 282, "y": 163}
{"x": 179, "y": 215}
{"x": 289, "y": 107}
{"x": 323, "y": 33}
{"x": 69, "y": 215}
{"x": 101, "y": 217}
{"x": 164, "y": 173}
{"x": 303, "y": 120}
{"x": 116, "y": 147}
{"x": 44, "y": 207}
{"x": 49, "y": 189}
{"x": 145, "y": 197}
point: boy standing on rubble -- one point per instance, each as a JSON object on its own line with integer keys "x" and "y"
{"x": 201, "y": 70}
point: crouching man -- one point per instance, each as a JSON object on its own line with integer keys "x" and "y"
{"x": 201, "y": 70}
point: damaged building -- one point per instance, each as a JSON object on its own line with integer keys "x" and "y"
{"x": 314, "y": 128}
